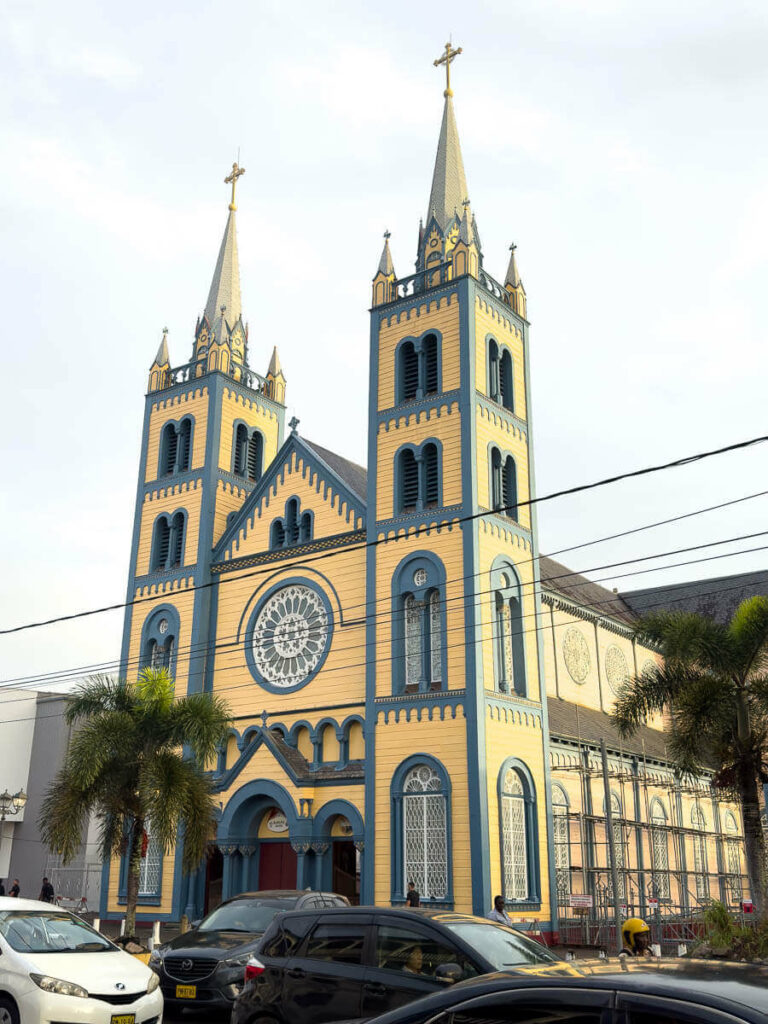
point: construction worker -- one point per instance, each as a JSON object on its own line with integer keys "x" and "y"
{"x": 636, "y": 938}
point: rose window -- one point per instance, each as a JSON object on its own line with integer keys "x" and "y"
{"x": 290, "y": 636}
{"x": 616, "y": 668}
{"x": 576, "y": 655}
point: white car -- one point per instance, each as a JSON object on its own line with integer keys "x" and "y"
{"x": 54, "y": 967}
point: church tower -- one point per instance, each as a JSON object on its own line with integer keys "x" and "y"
{"x": 454, "y": 666}
{"x": 211, "y": 427}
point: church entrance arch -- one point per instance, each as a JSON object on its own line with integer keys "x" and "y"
{"x": 339, "y": 850}
{"x": 260, "y": 838}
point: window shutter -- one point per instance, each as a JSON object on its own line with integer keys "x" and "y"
{"x": 278, "y": 535}
{"x": 162, "y": 540}
{"x": 178, "y": 540}
{"x": 493, "y": 371}
{"x": 292, "y": 522}
{"x": 306, "y": 527}
{"x": 430, "y": 365}
{"x": 431, "y": 480}
{"x": 185, "y": 443}
{"x": 171, "y": 442}
{"x": 254, "y": 456}
{"x": 409, "y": 375}
{"x": 241, "y": 445}
{"x": 506, "y": 397}
{"x": 496, "y": 489}
{"x": 409, "y": 481}
{"x": 509, "y": 485}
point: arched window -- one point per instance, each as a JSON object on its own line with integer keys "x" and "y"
{"x": 161, "y": 544}
{"x": 408, "y": 372}
{"x": 277, "y": 535}
{"x": 418, "y": 631}
{"x": 255, "y": 455}
{"x": 159, "y": 639}
{"x": 497, "y": 491}
{"x": 493, "y": 371}
{"x": 409, "y": 481}
{"x": 425, "y": 833}
{"x": 168, "y": 446}
{"x": 291, "y": 521}
{"x": 618, "y": 844}
{"x": 151, "y": 863}
{"x": 431, "y": 478}
{"x": 184, "y": 453}
{"x": 562, "y": 841}
{"x": 508, "y": 632}
{"x": 509, "y": 487}
{"x": 517, "y": 810}
{"x": 305, "y": 527}
{"x": 241, "y": 449}
{"x": 700, "y": 860}
{"x": 506, "y": 396}
{"x": 418, "y": 368}
{"x": 733, "y": 858}
{"x": 659, "y": 850}
{"x": 176, "y": 541}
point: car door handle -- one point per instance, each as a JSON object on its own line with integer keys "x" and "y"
{"x": 375, "y": 987}
{"x": 296, "y": 972}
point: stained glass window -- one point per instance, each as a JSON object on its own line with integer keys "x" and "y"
{"x": 151, "y": 862}
{"x": 514, "y": 837}
{"x": 618, "y": 843}
{"x": 423, "y": 642}
{"x": 700, "y": 864}
{"x": 562, "y": 842}
{"x": 425, "y": 833}
{"x": 659, "y": 851}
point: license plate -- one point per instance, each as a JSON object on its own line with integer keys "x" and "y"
{"x": 182, "y": 992}
{"x": 123, "y": 1018}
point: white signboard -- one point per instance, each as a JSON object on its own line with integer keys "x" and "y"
{"x": 277, "y": 822}
{"x": 585, "y": 901}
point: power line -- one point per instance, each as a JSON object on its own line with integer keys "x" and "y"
{"x": 685, "y": 461}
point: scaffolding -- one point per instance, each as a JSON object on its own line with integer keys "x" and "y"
{"x": 667, "y": 870}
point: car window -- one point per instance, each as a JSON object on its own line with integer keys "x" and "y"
{"x": 342, "y": 943}
{"x": 35, "y": 931}
{"x": 286, "y": 938}
{"x": 519, "y": 1014}
{"x": 244, "y": 915}
{"x": 502, "y": 947}
{"x": 413, "y": 951}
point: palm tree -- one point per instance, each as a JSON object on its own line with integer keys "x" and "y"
{"x": 714, "y": 683}
{"x": 137, "y": 757}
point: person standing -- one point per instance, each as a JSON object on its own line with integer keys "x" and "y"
{"x": 2, "y": 888}
{"x": 499, "y": 914}
{"x": 46, "y": 893}
{"x": 412, "y": 898}
{"x": 15, "y": 888}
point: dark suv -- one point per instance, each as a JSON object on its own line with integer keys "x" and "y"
{"x": 337, "y": 965}
{"x": 204, "y": 966}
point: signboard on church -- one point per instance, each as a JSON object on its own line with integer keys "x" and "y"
{"x": 584, "y": 901}
{"x": 277, "y": 822}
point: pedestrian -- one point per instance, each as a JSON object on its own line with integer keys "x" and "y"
{"x": 636, "y": 938}
{"x": 46, "y": 893}
{"x": 498, "y": 913}
{"x": 412, "y": 898}
{"x": 15, "y": 888}
{"x": 2, "y": 888}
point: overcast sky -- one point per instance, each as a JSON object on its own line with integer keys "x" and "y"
{"x": 622, "y": 146}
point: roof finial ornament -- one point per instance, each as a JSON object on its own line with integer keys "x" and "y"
{"x": 231, "y": 179}
{"x": 387, "y": 234}
{"x": 513, "y": 247}
{"x": 447, "y": 58}
{"x": 293, "y": 424}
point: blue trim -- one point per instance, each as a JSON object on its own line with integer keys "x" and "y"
{"x": 325, "y": 814}
{"x": 402, "y": 586}
{"x": 251, "y": 800}
{"x": 398, "y": 414}
{"x": 146, "y": 899}
{"x": 250, "y": 431}
{"x": 173, "y": 476}
{"x": 137, "y": 515}
{"x": 418, "y": 453}
{"x": 418, "y": 341}
{"x": 150, "y": 631}
{"x": 169, "y": 517}
{"x": 531, "y": 829}
{"x": 397, "y": 856}
{"x": 512, "y": 595}
{"x": 264, "y": 683}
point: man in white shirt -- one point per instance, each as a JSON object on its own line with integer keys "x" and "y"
{"x": 499, "y": 914}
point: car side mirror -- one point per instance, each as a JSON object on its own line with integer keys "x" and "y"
{"x": 448, "y": 974}
{"x": 194, "y": 924}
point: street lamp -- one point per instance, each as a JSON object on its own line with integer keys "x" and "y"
{"x": 11, "y": 804}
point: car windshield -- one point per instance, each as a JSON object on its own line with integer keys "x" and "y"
{"x": 244, "y": 916}
{"x": 502, "y": 947}
{"x": 40, "y": 931}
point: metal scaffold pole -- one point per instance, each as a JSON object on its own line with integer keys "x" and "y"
{"x": 611, "y": 846}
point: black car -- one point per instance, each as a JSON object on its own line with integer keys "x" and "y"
{"x": 204, "y": 967}
{"x": 621, "y": 991}
{"x": 362, "y": 961}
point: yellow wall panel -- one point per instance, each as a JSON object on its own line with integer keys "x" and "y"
{"x": 164, "y": 410}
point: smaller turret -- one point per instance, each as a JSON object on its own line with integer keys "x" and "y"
{"x": 276, "y": 378}
{"x": 384, "y": 281}
{"x": 159, "y": 371}
{"x": 466, "y": 255}
{"x": 514, "y": 285}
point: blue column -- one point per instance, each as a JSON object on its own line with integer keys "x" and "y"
{"x": 321, "y": 852}
{"x": 301, "y": 849}
{"x": 226, "y": 875}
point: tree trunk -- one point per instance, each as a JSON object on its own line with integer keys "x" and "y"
{"x": 754, "y": 841}
{"x": 134, "y": 871}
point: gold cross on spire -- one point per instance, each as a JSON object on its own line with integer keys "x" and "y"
{"x": 447, "y": 58}
{"x": 231, "y": 179}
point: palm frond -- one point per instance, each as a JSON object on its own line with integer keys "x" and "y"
{"x": 749, "y": 630}
{"x": 201, "y": 722}
{"x": 103, "y": 736}
{"x": 64, "y": 814}
{"x": 178, "y": 794}
{"x": 644, "y": 695}
{"x": 98, "y": 694}
{"x": 686, "y": 639}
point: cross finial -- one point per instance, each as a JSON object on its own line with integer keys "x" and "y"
{"x": 465, "y": 204}
{"x": 448, "y": 57}
{"x": 231, "y": 179}
{"x": 513, "y": 247}
{"x": 165, "y": 330}
{"x": 293, "y": 424}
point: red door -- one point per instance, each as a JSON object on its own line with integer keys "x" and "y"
{"x": 277, "y": 866}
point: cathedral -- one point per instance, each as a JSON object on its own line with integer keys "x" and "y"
{"x": 417, "y": 694}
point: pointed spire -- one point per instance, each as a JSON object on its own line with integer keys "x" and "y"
{"x": 162, "y": 358}
{"x": 225, "y": 286}
{"x": 513, "y": 277}
{"x": 449, "y": 183}
{"x": 386, "y": 265}
{"x": 274, "y": 364}
{"x": 466, "y": 232}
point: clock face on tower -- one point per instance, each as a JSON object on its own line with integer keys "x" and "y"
{"x": 289, "y": 636}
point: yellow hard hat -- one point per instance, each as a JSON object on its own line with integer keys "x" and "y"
{"x": 633, "y": 926}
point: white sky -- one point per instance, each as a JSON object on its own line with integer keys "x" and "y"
{"x": 621, "y": 145}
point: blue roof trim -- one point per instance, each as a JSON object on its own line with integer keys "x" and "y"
{"x": 275, "y": 474}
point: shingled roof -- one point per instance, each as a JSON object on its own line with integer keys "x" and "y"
{"x": 717, "y": 598}
{"x": 573, "y": 722}
{"x": 557, "y": 579}
{"x": 354, "y": 476}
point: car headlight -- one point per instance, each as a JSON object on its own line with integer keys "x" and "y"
{"x": 235, "y": 961}
{"x": 155, "y": 959}
{"x": 154, "y": 982}
{"x": 58, "y": 986}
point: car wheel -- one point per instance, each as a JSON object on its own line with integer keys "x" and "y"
{"x": 8, "y": 1012}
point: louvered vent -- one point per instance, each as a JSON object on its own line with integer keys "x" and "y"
{"x": 254, "y": 456}
{"x": 409, "y": 480}
{"x": 506, "y": 397}
{"x": 162, "y": 541}
{"x": 409, "y": 372}
{"x": 431, "y": 479}
{"x": 278, "y": 535}
{"x": 430, "y": 365}
{"x": 241, "y": 449}
{"x": 184, "y": 444}
{"x": 306, "y": 527}
{"x": 509, "y": 486}
{"x": 169, "y": 449}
